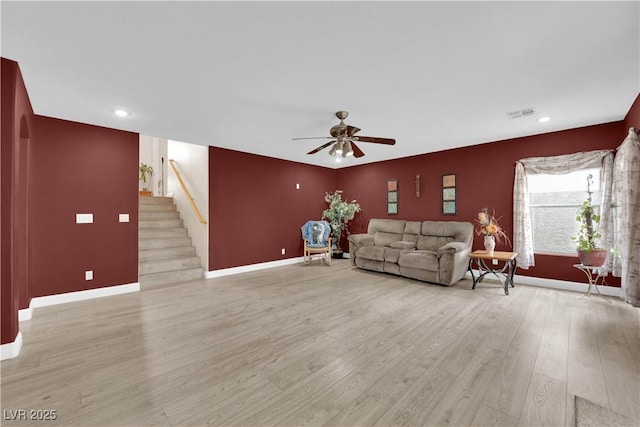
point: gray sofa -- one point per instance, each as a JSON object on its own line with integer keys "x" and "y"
{"x": 431, "y": 251}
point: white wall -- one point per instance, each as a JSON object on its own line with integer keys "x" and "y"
{"x": 192, "y": 162}
{"x": 152, "y": 151}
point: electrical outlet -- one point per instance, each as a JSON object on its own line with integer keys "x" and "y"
{"x": 88, "y": 275}
{"x": 283, "y": 251}
{"x": 85, "y": 218}
{"x": 494, "y": 261}
{"x": 297, "y": 186}
{"x": 123, "y": 217}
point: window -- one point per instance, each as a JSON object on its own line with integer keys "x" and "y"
{"x": 560, "y": 167}
{"x": 554, "y": 201}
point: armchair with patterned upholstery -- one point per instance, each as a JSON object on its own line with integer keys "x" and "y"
{"x": 316, "y": 240}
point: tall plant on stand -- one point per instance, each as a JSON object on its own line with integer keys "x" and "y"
{"x": 338, "y": 214}
{"x": 589, "y": 252}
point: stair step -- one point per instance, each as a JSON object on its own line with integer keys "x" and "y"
{"x": 166, "y": 253}
{"x": 173, "y": 276}
{"x": 157, "y": 208}
{"x": 158, "y": 215}
{"x": 146, "y": 200}
{"x": 160, "y": 266}
{"x": 150, "y": 233}
{"x": 161, "y": 223}
{"x": 163, "y": 243}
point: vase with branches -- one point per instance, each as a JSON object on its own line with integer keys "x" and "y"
{"x": 488, "y": 227}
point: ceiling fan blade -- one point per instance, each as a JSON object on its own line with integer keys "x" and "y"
{"x": 357, "y": 152}
{"x": 313, "y": 137}
{"x": 352, "y": 130}
{"x": 376, "y": 140}
{"x": 322, "y": 147}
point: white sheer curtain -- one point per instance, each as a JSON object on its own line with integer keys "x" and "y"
{"x": 557, "y": 165}
{"x": 626, "y": 190}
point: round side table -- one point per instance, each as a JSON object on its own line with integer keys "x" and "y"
{"x": 593, "y": 274}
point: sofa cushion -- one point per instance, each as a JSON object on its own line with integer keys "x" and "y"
{"x": 392, "y": 268}
{"x": 458, "y": 231}
{"x": 386, "y": 225}
{"x": 381, "y": 238}
{"x": 369, "y": 264}
{"x": 425, "y": 260}
{"x": 432, "y": 243}
{"x": 413, "y": 227}
{"x": 403, "y": 245}
{"x": 411, "y": 231}
{"x": 392, "y": 255}
{"x": 371, "y": 252}
{"x": 410, "y": 238}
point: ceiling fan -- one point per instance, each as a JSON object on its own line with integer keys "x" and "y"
{"x": 343, "y": 139}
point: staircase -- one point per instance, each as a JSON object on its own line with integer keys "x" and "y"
{"x": 165, "y": 251}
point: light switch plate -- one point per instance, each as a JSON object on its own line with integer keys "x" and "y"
{"x": 123, "y": 217}
{"x": 88, "y": 275}
{"x": 85, "y": 218}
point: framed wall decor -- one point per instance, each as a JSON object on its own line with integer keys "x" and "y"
{"x": 392, "y": 197}
{"x": 449, "y": 194}
{"x": 449, "y": 180}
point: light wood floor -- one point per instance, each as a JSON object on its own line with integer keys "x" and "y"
{"x": 324, "y": 345}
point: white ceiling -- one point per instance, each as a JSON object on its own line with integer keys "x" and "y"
{"x": 251, "y": 76}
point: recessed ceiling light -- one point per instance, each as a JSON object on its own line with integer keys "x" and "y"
{"x": 338, "y": 159}
{"x": 121, "y": 113}
{"x": 544, "y": 119}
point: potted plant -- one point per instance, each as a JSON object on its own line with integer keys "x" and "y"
{"x": 146, "y": 172}
{"x": 589, "y": 252}
{"x": 338, "y": 214}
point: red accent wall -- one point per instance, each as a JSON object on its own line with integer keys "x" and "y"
{"x": 79, "y": 168}
{"x": 633, "y": 116}
{"x": 484, "y": 177}
{"x": 53, "y": 169}
{"x": 255, "y": 209}
{"x": 17, "y": 118}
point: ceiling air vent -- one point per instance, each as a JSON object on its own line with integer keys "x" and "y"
{"x": 521, "y": 113}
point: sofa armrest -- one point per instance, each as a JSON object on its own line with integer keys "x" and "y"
{"x": 452, "y": 247}
{"x": 453, "y": 262}
{"x": 356, "y": 241}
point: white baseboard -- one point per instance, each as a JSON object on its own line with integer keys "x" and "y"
{"x": 25, "y": 314}
{"x": 252, "y": 267}
{"x": 565, "y": 285}
{"x": 84, "y": 295}
{"x": 11, "y": 349}
{"x": 556, "y": 284}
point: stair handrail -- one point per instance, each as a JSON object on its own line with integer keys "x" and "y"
{"x": 186, "y": 192}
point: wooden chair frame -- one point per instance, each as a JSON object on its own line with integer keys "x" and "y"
{"x": 309, "y": 251}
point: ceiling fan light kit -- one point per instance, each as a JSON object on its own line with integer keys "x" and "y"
{"x": 343, "y": 139}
